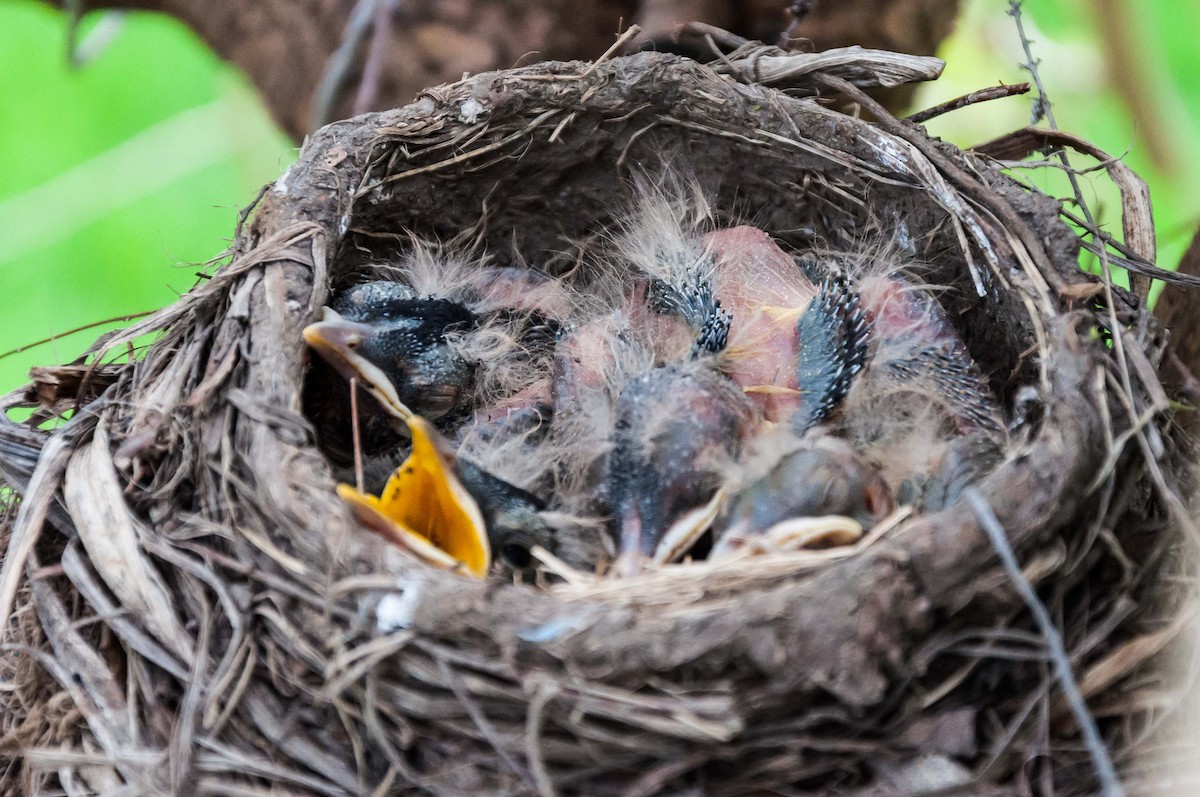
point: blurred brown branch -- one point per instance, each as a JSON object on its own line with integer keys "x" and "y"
{"x": 1178, "y": 309}
{"x": 311, "y": 59}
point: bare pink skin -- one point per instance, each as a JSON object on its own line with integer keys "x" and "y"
{"x": 528, "y": 398}
{"x": 766, "y": 292}
{"x": 898, "y": 312}
{"x": 588, "y": 358}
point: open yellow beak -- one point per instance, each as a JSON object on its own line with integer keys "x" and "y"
{"x": 425, "y": 509}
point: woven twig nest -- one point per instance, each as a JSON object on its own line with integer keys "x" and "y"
{"x": 199, "y": 614}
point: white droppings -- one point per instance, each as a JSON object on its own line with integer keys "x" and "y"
{"x": 890, "y": 153}
{"x": 470, "y": 110}
{"x": 396, "y": 609}
{"x": 281, "y": 185}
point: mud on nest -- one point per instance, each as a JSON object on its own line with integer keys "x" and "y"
{"x": 189, "y": 608}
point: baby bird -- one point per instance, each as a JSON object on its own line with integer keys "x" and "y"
{"x": 446, "y": 338}
{"x": 917, "y": 345}
{"x": 455, "y": 358}
{"x": 798, "y": 342}
{"x": 452, "y": 513}
{"x": 679, "y": 428}
{"x": 793, "y": 345}
{"x": 398, "y": 345}
{"x": 792, "y": 491}
{"x": 742, "y": 337}
{"x": 922, "y": 409}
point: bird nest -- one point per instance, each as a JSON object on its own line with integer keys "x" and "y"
{"x": 189, "y": 606}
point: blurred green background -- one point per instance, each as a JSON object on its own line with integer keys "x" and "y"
{"x": 118, "y": 178}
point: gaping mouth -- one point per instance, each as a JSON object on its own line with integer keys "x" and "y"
{"x": 425, "y": 509}
{"x": 336, "y": 340}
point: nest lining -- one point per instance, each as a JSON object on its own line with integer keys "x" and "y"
{"x": 227, "y": 607}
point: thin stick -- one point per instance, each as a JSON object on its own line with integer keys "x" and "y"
{"x": 482, "y": 723}
{"x": 621, "y": 41}
{"x": 983, "y": 95}
{"x": 1043, "y": 108}
{"x": 1110, "y": 784}
{"x": 368, "y": 86}
{"x": 338, "y": 65}
{"x": 1139, "y": 286}
{"x": 118, "y": 320}
{"x": 355, "y": 434}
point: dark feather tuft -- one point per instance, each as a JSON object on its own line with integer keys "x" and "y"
{"x": 834, "y": 334}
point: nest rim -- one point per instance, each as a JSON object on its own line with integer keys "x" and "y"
{"x": 510, "y": 645}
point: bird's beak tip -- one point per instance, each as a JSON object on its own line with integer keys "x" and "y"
{"x": 335, "y": 339}
{"x": 335, "y": 335}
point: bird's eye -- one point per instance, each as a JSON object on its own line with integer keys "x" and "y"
{"x": 517, "y": 556}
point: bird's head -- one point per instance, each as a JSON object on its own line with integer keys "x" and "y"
{"x": 794, "y": 488}
{"x": 678, "y": 429}
{"x": 398, "y": 347}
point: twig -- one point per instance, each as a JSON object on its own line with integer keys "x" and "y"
{"x": 534, "y": 719}
{"x": 1110, "y": 784}
{"x": 368, "y": 87}
{"x": 797, "y": 10}
{"x": 655, "y": 780}
{"x": 482, "y": 723}
{"x": 1139, "y": 285}
{"x": 121, "y": 319}
{"x": 621, "y": 41}
{"x": 339, "y": 63}
{"x": 74, "y": 9}
{"x": 983, "y": 95}
{"x": 355, "y": 434}
{"x": 1043, "y": 109}
{"x": 82, "y": 51}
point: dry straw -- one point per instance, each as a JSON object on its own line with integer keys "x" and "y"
{"x": 187, "y": 608}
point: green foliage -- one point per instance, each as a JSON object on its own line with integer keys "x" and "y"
{"x": 1118, "y": 72}
{"x": 117, "y": 178}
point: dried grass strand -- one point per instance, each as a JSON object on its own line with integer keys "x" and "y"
{"x": 1110, "y": 783}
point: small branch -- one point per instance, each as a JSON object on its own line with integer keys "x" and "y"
{"x": 356, "y": 435}
{"x": 485, "y": 727}
{"x": 1139, "y": 285}
{"x": 797, "y": 10}
{"x": 1043, "y": 108}
{"x": 621, "y": 41}
{"x": 121, "y": 319}
{"x": 975, "y": 97}
{"x": 339, "y": 62}
{"x": 1110, "y": 784}
{"x": 368, "y": 87}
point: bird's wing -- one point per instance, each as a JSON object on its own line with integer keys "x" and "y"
{"x": 833, "y": 337}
